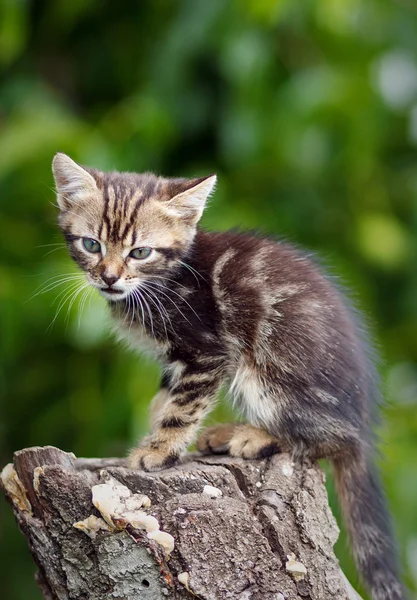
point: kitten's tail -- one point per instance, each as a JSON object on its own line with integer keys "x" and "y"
{"x": 369, "y": 526}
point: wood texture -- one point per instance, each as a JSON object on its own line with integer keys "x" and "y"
{"x": 235, "y": 546}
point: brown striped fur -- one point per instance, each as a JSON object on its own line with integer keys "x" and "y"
{"x": 238, "y": 310}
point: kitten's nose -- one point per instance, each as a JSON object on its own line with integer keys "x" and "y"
{"x": 109, "y": 279}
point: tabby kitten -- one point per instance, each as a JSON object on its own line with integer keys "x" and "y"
{"x": 232, "y": 308}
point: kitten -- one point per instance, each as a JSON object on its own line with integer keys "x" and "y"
{"x": 233, "y": 308}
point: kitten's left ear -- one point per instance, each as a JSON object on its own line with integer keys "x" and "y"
{"x": 191, "y": 197}
{"x": 72, "y": 181}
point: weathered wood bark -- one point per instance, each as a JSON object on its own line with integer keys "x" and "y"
{"x": 234, "y": 546}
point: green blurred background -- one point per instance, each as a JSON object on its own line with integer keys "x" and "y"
{"x": 308, "y": 113}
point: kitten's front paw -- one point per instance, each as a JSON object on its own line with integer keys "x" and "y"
{"x": 150, "y": 459}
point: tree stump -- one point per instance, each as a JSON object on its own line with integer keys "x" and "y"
{"x": 261, "y": 530}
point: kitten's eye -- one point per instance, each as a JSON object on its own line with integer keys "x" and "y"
{"x": 140, "y": 253}
{"x": 91, "y": 245}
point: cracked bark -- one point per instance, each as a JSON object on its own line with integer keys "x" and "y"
{"x": 232, "y": 547}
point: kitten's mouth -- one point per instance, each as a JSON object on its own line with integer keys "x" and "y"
{"x": 111, "y": 291}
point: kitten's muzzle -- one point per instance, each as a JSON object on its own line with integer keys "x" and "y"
{"x": 110, "y": 279}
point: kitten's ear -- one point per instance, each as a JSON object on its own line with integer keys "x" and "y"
{"x": 190, "y": 197}
{"x": 72, "y": 181}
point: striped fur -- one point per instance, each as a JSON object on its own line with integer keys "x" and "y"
{"x": 234, "y": 309}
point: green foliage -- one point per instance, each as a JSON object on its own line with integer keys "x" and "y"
{"x": 308, "y": 113}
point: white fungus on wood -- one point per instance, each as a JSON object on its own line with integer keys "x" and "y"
{"x": 36, "y": 478}
{"x": 184, "y": 578}
{"x": 211, "y": 491}
{"x": 15, "y": 489}
{"x": 296, "y": 568}
{"x": 164, "y": 539}
{"x": 119, "y": 507}
{"x": 117, "y": 504}
{"x": 140, "y": 520}
{"x": 92, "y": 525}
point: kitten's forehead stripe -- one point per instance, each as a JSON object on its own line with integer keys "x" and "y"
{"x": 123, "y": 196}
{"x": 111, "y": 211}
{"x": 147, "y": 188}
{"x": 105, "y": 218}
{"x": 126, "y": 222}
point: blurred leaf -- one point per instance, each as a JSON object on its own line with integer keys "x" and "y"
{"x": 383, "y": 240}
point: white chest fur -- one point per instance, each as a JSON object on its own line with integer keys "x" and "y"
{"x": 138, "y": 339}
{"x": 250, "y": 397}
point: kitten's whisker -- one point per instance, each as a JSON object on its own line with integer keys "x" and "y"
{"x": 137, "y": 295}
{"x": 131, "y": 306}
{"x": 192, "y": 270}
{"x": 166, "y": 279}
{"x": 58, "y": 276}
{"x": 179, "y": 296}
{"x": 67, "y": 295}
{"x": 132, "y": 318}
{"x": 53, "y": 250}
{"x": 53, "y": 282}
{"x": 74, "y": 296}
{"x": 70, "y": 281}
{"x": 171, "y": 300}
{"x": 56, "y": 280}
{"x": 126, "y": 310}
{"x": 80, "y": 309}
{"x": 45, "y": 286}
{"x": 61, "y": 244}
{"x": 88, "y": 299}
{"x": 150, "y": 315}
{"x": 132, "y": 309}
{"x": 153, "y": 299}
{"x": 72, "y": 286}
{"x": 83, "y": 300}
{"x": 158, "y": 290}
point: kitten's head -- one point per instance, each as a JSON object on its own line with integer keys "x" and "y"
{"x": 125, "y": 228}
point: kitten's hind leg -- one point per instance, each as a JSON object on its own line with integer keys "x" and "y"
{"x": 215, "y": 439}
{"x": 239, "y": 440}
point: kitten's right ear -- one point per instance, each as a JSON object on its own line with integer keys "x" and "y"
{"x": 72, "y": 181}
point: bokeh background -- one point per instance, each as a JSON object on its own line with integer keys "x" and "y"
{"x": 308, "y": 113}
